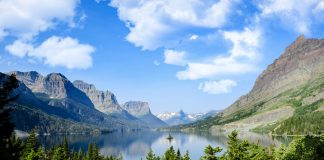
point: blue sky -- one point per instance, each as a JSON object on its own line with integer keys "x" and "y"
{"x": 175, "y": 54}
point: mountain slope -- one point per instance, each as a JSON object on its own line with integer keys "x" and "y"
{"x": 105, "y": 102}
{"x": 142, "y": 111}
{"x": 56, "y": 91}
{"x": 293, "y": 84}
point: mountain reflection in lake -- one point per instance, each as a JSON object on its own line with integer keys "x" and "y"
{"x": 135, "y": 145}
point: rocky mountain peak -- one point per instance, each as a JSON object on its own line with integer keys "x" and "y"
{"x": 137, "y": 108}
{"x": 103, "y": 101}
{"x": 31, "y": 79}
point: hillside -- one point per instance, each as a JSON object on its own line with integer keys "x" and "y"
{"x": 287, "y": 98}
{"x": 52, "y": 104}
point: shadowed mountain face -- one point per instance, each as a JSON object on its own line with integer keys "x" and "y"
{"x": 105, "y": 102}
{"x": 54, "y": 98}
{"x": 142, "y": 111}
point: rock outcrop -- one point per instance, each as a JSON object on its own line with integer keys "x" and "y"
{"x": 142, "y": 111}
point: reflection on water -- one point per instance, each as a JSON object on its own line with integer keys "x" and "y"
{"x": 135, "y": 145}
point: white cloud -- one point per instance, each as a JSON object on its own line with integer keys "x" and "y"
{"x": 25, "y": 19}
{"x": 56, "y": 51}
{"x": 174, "y": 57}
{"x": 217, "y": 87}
{"x": 295, "y": 14}
{"x": 244, "y": 43}
{"x": 19, "y": 48}
{"x": 240, "y": 59}
{"x": 193, "y": 37}
{"x": 152, "y": 23}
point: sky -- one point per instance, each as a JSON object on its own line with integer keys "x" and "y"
{"x": 175, "y": 54}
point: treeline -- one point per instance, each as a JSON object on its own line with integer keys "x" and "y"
{"x": 31, "y": 150}
{"x": 302, "y": 148}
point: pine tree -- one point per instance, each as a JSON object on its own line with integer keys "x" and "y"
{"x": 74, "y": 155}
{"x": 178, "y": 157}
{"x": 58, "y": 154}
{"x": 7, "y": 85}
{"x": 31, "y": 144}
{"x": 80, "y": 154}
{"x": 210, "y": 153}
{"x": 170, "y": 154}
{"x": 186, "y": 156}
{"x": 233, "y": 146}
{"x": 66, "y": 148}
{"x": 95, "y": 153}
{"x": 89, "y": 153}
{"x": 151, "y": 156}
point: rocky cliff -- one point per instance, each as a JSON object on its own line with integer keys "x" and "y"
{"x": 142, "y": 111}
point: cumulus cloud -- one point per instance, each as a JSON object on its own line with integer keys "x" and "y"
{"x": 25, "y": 19}
{"x": 217, "y": 87}
{"x": 295, "y": 14}
{"x": 56, "y": 51}
{"x": 240, "y": 59}
{"x": 174, "y": 57}
{"x": 152, "y": 23}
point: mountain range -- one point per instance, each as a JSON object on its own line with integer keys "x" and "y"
{"x": 287, "y": 98}
{"x": 176, "y": 118}
{"x": 53, "y": 104}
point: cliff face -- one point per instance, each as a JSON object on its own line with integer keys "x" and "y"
{"x": 300, "y": 64}
{"x": 103, "y": 101}
{"x": 141, "y": 110}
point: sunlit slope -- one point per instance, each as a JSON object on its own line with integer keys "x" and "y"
{"x": 287, "y": 97}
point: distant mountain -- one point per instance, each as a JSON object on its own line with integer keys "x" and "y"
{"x": 105, "y": 102}
{"x": 54, "y": 95}
{"x": 176, "y": 118}
{"x": 142, "y": 111}
{"x": 287, "y": 98}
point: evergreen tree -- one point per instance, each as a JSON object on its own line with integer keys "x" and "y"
{"x": 169, "y": 154}
{"x": 233, "y": 146}
{"x": 178, "y": 157}
{"x": 31, "y": 144}
{"x": 151, "y": 156}
{"x": 7, "y": 85}
{"x": 80, "y": 154}
{"x": 58, "y": 154}
{"x": 66, "y": 148}
{"x": 74, "y": 155}
{"x": 89, "y": 153}
{"x": 186, "y": 156}
{"x": 210, "y": 153}
{"x": 96, "y": 154}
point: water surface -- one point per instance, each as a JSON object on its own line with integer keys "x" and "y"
{"x": 135, "y": 145}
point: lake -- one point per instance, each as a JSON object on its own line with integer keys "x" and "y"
{"x": 135, "y": 145}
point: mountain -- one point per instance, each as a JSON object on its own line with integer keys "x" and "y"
{"x": 105, "y": 102}
{"x": 176, "y": 118}
{"x": 55, "y": 92}
{"x": 142, "y": 111}
{"x": 287, "y": 98}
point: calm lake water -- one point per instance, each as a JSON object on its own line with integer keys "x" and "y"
{"x": 135, "y": 145}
